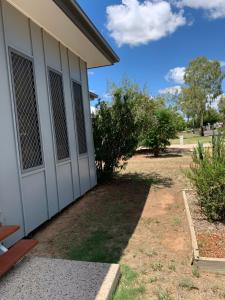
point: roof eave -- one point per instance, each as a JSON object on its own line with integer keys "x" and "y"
{"x": 75, "y": 13}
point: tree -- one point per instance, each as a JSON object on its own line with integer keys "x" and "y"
{"x": 179, "y": 121}
{"x": 114, "y": 132}
{"x": 161, "y": 128}
{"x": 203, "y": 79}
{"x": 211, "y": 116}
{"x": 221, "y": 106}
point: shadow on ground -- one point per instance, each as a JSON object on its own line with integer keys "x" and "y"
{"x": 99, "y": 226}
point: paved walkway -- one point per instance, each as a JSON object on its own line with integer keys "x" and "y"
{"x": 57, "y": 279}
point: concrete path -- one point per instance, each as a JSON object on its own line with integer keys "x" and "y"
{"x": 58, "y": 279}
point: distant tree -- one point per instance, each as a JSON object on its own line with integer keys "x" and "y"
{"x": 203, "y": 79}
{"x": 221, "y": 107}
{"x": 161, "y": 129}
{"x": 211, "y": 116}
{"x": 179, "y": 121}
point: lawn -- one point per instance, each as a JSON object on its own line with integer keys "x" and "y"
{"x": 137, "y": 220}
{"x": 190, "y": 138}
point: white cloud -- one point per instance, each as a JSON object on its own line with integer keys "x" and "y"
{"x": 134, "y": 23}
{"x": 176, "y": 75}
{"x": 91, "y": 73}
{"x": 173, "y": 90}
{"x": 214, "y": 8}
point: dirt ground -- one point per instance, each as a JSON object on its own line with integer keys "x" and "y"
{"x": 137, "y": 220}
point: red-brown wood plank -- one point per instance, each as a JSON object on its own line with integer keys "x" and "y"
{"x": 6, "y": 231}
{"x": 14, "y": 254}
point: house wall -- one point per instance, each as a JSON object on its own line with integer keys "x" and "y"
{"x": 31, "y": 198}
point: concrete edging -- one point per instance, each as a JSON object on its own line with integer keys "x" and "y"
{"x": 110, "y": 283}
{"x": 209, "y": 264}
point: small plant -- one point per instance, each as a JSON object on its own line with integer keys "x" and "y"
{"x": 176, "y": 221}
{"x": 151, "y": 253}
{"x": 207, "y": 175}
{"x": 163, "y": 295}
{"x": 172, "y": 267}
{"x": 215, "y": 289}
{"x": 195, "y": 272}
{"x": 187, "y": 283}
{"x": 157, "y": 267}
{"x": 153, "y": 279}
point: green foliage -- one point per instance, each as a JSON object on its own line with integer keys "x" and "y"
{"x": 207, "y": 175}
{"x": 163, "y": 295}
{"x": 187, "y": 283}
{"x": 221, "y": 106}
{"x": 179, "y": 122}
{"x": 203, "y": 79}
{"x": 114, "y": 132}
{"x": 129, "y": 287}
{"x": 211, "y": 116}
{"x": 161, "y": 128}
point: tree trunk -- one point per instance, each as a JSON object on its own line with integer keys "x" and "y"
{"x": 156, "y": 152}
{"x": 201, "y": 125}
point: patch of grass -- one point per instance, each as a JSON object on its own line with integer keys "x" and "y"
{"x": 176, "y": 221}
{"x": 157, "y": 267}
{"x": 163, "y": 295}
{"x": 215, "y": 289}
{"x": 153, "y": 279}
{"x": 151, "y": 253}
{"x": 187, "y": 283}
{"x": 172, "y": 267}
{"x": 129, "y": 287}
{"x": 94, "y": 249}
{"x": 195, "y": 272}
{"x": 192, "y": 139}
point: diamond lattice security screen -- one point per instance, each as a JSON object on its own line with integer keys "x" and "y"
{"x": 80, "y": 121}
{"x": 26, "y": 111}
{"x": 59, "y": 115}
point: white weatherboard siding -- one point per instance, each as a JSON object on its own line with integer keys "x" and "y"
{"x": 32, "y": 197}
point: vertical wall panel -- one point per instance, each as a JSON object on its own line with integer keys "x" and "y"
{"x": 52, "y": 52}
{"x": 16, "y": 28}
{"x": 83, "y": 160}
{"x": 53, "y": 60}
{"x": 34, "y": 201}
{"x": 88, "y": 122}
{"x": 45, "y": 120}
{"x": 10, "y": 198}
{"x": 70, "y": 119}
{"x": 74, "y": 64}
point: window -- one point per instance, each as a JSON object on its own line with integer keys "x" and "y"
{"x": 80, "y": 121}
{"x": 59, "y": 115}
{"x": 26, "y": 111}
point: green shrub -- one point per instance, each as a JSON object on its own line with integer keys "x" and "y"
{"x": 207, "y": 174}
{"x": 114, "y": 132}
{"x": 162, "y": 128}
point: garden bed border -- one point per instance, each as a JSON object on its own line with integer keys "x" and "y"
{"x": 209, "y": 264}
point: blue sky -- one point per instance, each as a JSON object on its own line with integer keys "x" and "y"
{"x": 155, "y": 39}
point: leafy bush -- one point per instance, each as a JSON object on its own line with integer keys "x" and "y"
{"x": 162, "y": 128}
{"x": 207, "y": 175}
{"x": 114, "y": 134}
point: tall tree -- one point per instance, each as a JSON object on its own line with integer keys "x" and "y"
{"x": 203, "y": 79}
{"x": 221, "y": 106}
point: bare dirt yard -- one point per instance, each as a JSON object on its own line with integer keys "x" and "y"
{"x": 137, "y": 220}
